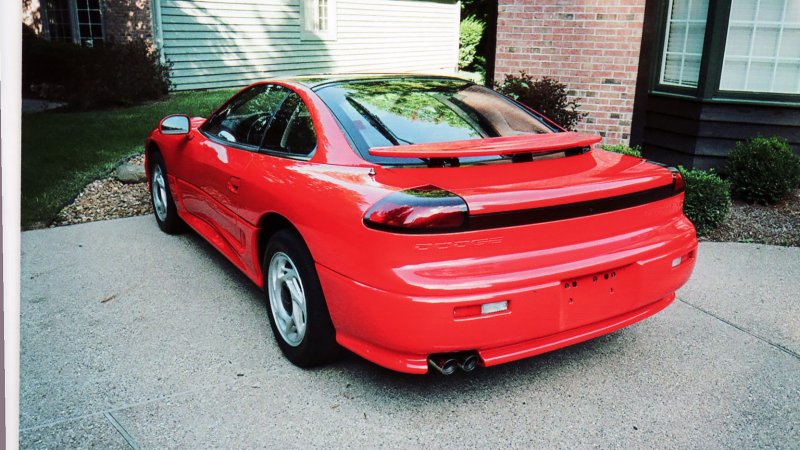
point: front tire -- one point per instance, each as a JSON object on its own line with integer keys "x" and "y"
{"x": 161, "y": 198}
{"x": 298, "y": 313}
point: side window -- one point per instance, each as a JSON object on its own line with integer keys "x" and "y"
{"x": 245, "y": 118}
{"x": 291, "y": 131}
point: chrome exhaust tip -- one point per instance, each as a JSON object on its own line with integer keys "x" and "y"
{"x": 444, "y": 364}
{"x": 468, "y": 362}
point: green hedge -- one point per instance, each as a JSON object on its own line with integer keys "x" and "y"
{"x": 471, "y": 31}
{"x": 623, "y": 149}
{"x": 108, "y": 74}
{"x": 707, "y": 200}
{"x": 763, "y": 170}
{"x": 545, "y": 95}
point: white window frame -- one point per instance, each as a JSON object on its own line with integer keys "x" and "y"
{"x": 309, "y": 10}
{"x": 102, "y": 24}
{"x": 683, "y": 54}
{"x": 750, "y": 58}
{"x": 74, "y": 21}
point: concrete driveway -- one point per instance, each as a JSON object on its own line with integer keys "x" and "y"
{"x": 135, "y": 339}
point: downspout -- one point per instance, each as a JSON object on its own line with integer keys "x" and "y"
{"x": 43, "y": 18}
{"x": 158, "y": 35}
{"x": 73, "y": 23}
{"x": 458, "y": 37}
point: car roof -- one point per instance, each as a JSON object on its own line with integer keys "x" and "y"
{"x": 317, "y": 81}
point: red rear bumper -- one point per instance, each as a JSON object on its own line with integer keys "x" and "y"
{"x": 400, "y": 331}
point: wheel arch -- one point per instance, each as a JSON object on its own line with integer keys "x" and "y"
{"x": 150, "y": 148}
{"x": 271, "y": 223}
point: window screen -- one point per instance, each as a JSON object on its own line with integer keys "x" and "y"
{"x": 683, "y": 46}
{"x": 762, "y": 52}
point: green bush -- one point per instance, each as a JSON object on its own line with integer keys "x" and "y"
{"x": 545, "y": 95}
{"x": 624, "y": 149}
{"x": 108, "y": 74}
{"x": 707, "y": 200}
{"x": 763, "y": 170}
{"x": 471, "y": 31}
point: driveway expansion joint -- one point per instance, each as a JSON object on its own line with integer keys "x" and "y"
{"x": 742, "y": 329}
{"x": 126, "y": 406}
{"x": 122, "y": 431}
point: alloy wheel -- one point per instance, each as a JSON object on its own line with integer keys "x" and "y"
{"x": 287, "y": 299}
{"x": 159, "y": 192}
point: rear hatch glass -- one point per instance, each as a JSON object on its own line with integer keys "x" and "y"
{"x": 408, "y": 111}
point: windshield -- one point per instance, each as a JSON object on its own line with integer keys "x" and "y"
{"x": 402, "y": 111}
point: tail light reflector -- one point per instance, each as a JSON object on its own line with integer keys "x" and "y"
{"x": 418, "y": 210}
{"x": 678, "y": 183}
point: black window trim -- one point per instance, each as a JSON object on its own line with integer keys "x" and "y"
{"x": 260, "y": 149}
{"x": 708, "y": 86}
{"x": 660, "y": 45}
{"x": 74, "y": 22}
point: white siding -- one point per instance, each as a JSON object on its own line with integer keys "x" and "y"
{"x": 226, "y": 43}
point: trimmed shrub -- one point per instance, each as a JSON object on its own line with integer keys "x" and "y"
{"x": 545, "y": 95}
{"x": 108, "y": 74}
{"x": 471, "y": 32}
{"x": 763, "y": 170}
{"x": 707, "y": 199}
{"x": 624, "y": 149}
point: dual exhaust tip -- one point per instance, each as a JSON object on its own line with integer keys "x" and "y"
{"x": 448, "y": 363}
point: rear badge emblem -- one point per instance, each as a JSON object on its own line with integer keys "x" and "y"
{"x": 459, "y": 244}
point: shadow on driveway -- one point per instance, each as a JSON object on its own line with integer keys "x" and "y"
{"x": 135, "y": 339}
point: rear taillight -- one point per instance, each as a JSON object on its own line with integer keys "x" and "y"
{"x": 678, "y": 184}
{"x": 419, "y": 210}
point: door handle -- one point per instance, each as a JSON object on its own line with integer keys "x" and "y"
{"x": 233, "y": 185}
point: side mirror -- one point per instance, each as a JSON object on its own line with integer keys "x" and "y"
{"x": 176, "y": 124}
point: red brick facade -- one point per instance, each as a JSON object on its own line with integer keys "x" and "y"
{"x": 592, "y": 46}
{"x": 128, "y": 19}
{"x": 123, "y": 20}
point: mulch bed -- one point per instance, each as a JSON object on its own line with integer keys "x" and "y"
{"x": 776, "y": 225}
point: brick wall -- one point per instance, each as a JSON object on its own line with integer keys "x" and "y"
{"x": 32, "y": 16}
{"x": 124, "y": 19}
{"x": 128, "y": 19}
{"x": 592, "y": 46}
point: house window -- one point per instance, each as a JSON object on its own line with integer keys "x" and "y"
{"x": 319, "y": 19}
{"x": 59, "y": 25}
{"x": 683, "y": 49}
{"x": 90, "y": 22}
{"x": 78, "y": 21}
{"x": 762, "y": 52}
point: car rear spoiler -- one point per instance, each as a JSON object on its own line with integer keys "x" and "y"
{"x": 506, "y": 145}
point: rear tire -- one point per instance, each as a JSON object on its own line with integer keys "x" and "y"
{"x": 161, "y": 198}
{"x": 298, "y": 313}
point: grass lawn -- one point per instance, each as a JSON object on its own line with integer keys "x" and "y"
{"x": 64, "y": 151}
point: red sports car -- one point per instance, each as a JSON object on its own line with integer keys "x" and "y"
{"x": 422, "y": 222}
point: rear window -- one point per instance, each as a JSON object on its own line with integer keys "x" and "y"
{"x": 379, "y": 113}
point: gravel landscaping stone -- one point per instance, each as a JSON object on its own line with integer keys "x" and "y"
{"x": 130, "y": 172}
{"x": 107, "y": 199}
{"x": 112, "y": 199}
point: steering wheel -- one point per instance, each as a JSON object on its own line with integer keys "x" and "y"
{"x": 256, "y": 128}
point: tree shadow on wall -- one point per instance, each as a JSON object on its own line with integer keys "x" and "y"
{"x": 237, "y": 45}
